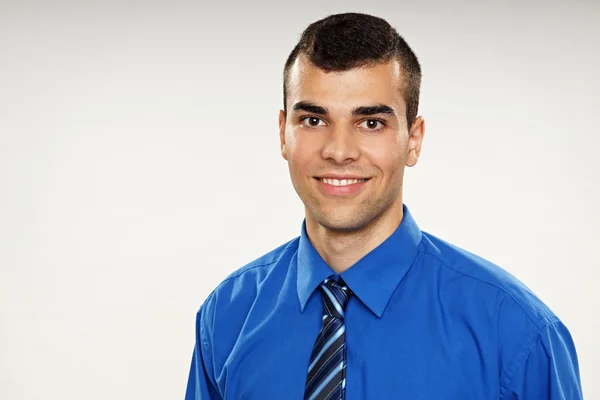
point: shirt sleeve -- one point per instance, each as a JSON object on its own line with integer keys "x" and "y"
{"x": 201, "y": 383}
{"x": 550, "y": 370}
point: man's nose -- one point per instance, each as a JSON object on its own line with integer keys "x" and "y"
{"x": 341, "y": 145}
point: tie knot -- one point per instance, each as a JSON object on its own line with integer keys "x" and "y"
{"x": 335, "y": 297}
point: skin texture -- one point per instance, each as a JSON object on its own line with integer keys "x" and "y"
{"x": 335, "y": 141}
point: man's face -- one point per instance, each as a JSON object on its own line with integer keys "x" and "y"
{"x": 346, "y": 142}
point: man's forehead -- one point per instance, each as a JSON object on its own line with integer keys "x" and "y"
{"x": 303, "y": 68}
{"x": 376, "y": 83}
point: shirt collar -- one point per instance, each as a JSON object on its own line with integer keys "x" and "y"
{"x": 373, "y": 278}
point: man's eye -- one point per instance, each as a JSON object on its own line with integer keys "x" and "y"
{"x": 372, "y": 124}
{"x": 312, "y": 121}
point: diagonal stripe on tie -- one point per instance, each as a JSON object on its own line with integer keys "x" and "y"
{"x": 326, "y": 379}
{"x": 333, "y": 379}
{"x": 334, "y": 354}
{"x": 327, "y": 342}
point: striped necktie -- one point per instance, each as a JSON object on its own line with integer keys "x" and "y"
{"x": 326, "y": 378}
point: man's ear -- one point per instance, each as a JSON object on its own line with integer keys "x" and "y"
{"x": 415, "y": 140}
{"x": 282, "y": 133}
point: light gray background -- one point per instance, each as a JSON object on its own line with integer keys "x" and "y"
{"x": 139, "y": 165}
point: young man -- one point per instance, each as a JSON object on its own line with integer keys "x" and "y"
{"x": 363, "y": 304}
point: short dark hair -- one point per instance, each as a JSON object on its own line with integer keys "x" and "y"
{"x": 341, "y": 42}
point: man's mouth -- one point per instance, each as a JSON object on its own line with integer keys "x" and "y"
{"x": 341, "y": 182}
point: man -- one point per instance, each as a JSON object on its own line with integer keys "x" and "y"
{"x": 363, "y": 304}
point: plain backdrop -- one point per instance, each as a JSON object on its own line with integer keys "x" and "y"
{"x": 140, "y": 165}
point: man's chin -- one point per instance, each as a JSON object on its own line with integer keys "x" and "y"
{"x": 343, "y": 224}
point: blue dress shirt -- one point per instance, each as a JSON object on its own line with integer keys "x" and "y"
{"x": 426, "y": 320}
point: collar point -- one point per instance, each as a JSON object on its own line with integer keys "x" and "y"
{"x": 378, "y": 313}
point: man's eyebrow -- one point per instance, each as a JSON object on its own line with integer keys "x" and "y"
{"x": 372, "y": 110}
{"x": 310, "y": 107}
{"x": 358, "y": 111}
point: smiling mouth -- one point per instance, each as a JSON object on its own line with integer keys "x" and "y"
{"x": 341, "y": 182}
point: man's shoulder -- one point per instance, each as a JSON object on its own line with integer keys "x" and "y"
{"x": 262, "y": 264}
{"x": 493, "y": 280}
{"x": 245, "y": 280}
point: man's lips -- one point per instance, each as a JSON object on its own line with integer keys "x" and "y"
{"x": 341, "y": 181}
{"x": 341, "y": 186}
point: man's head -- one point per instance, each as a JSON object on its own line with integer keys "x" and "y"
{"x": 349, "y": 124}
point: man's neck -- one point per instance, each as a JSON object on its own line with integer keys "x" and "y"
{"x": 341, "y": 250}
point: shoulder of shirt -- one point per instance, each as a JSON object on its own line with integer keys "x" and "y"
{"x": 486, "y": 272}
{"x": 261, "y": 265}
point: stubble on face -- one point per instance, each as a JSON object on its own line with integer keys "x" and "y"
{"x": 349, "y": 216}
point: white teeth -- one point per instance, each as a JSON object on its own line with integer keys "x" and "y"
{"x": 341, "y": 182}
